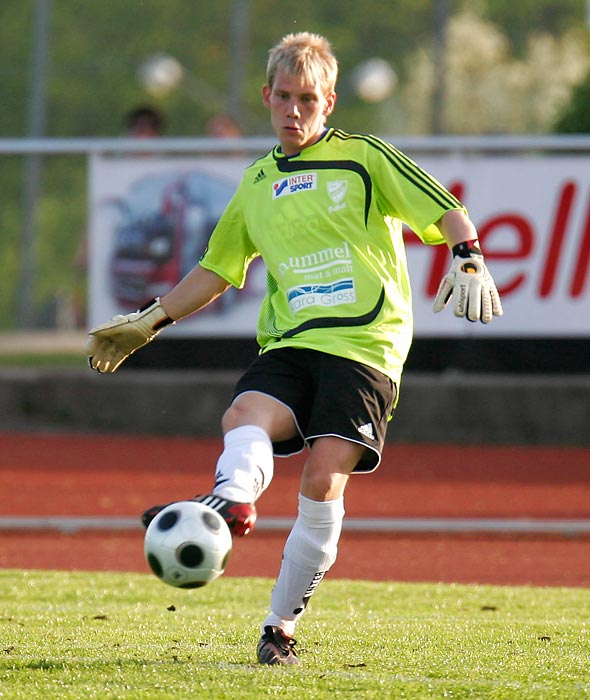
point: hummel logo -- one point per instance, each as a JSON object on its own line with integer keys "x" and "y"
{"x": 367, "y": 431}
{"x": 261, "y": 176}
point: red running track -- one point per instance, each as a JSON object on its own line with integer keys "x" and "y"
{"x": 73, "y": 474}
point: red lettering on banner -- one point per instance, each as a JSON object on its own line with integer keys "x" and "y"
{"x": 439, "y": 253}
{"x": 523, "y": 248}
{"x": 439, "y": 257}
{"x": 438, "y": 269}
{"x": 582, "y": 271}
{"x": 457, "y": 189}
{"x": 557, "y": 238}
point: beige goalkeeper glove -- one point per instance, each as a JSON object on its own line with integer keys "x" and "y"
{"x": 469, "y": 286}
{"x": 110, "y": 344}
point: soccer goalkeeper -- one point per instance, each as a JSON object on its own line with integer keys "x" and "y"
{"x": 324, "y": 209}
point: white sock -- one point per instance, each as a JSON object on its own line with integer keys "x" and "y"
{"x": 310, "y": 550}
{"x": 245, "y": 467}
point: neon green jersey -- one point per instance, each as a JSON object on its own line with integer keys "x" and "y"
{"x": 328, "y": 225}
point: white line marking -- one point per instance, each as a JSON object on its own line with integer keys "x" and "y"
{"x": 73, "y": 524}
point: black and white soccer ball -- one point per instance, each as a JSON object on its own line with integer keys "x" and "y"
{"x": 187, "y": 545}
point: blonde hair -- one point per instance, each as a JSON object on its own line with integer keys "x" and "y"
{"x": 305, "y": 55}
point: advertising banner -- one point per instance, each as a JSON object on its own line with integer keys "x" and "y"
{"x": 150, "y": 219}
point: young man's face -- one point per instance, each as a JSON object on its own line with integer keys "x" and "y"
{"x": 298, "y": 111}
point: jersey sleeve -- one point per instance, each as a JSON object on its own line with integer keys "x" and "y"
{"x": 230, "y": 251}
{"x": 407, "y": 192}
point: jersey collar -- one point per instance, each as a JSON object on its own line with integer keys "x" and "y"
{"x": 278, "y": 154}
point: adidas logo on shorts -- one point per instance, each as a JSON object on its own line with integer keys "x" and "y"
{"x": 367, "y": 431}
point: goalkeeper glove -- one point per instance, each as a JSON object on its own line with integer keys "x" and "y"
{"x": 110, "y": 344}
{"x": 470, "y": 286}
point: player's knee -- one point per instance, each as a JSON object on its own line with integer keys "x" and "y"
{"x": 321, "y": 485}
{"x": 241, "y": 413}
{"x": 231, "y": 418}
{"x": 252, "y": 408}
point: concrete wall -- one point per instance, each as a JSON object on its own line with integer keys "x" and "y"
{"x": 451, "y": 407}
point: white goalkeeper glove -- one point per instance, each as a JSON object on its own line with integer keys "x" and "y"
{"x": 112, "y": 343}
{"x": 469, "y": 285}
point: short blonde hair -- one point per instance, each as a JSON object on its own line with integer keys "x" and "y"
{"x": 305, "y": 55}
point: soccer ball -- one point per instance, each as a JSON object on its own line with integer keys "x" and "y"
{"x": 187, "y": 544}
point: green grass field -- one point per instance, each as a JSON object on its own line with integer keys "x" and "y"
{"x": 122, "y": 636}
{"x": 44, "y": 360}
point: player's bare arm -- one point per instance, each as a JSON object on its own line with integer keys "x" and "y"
{"x": 457, "y": 227}
{"x": 110, "y": 344}
{"x": 199, "y": 288}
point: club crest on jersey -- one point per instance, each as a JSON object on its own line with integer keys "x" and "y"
{"x": 337, "y": 190}
{"x": 301, "y": 182}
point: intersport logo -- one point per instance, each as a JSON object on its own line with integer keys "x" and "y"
{"x": 294, "y": 183}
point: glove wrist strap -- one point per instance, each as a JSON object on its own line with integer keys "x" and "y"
{"x": 467, "y": 249}
{"x": 162, "y": 322}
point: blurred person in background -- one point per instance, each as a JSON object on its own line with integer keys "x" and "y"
{"x": 222, "y": 126}
{"x": 144, "y": 122}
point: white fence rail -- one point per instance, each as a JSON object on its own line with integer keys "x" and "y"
{"x": 484, "y": 526}
{"x": 575, "y": 143}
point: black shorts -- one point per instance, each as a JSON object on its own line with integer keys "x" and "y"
{"x": 327, "y": 395}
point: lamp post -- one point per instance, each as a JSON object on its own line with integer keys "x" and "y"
{"x": 374, "y": 81}
{"x": 238, "y": 50}
{"x": 162, "y": 73}
{"x": 36, "y": 117}
{"x": 442, "y": 10}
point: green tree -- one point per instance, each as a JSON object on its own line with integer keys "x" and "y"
{"x": 488, "y": 88}
{"x": 574, "y": 118}
{"x": 520, "y": 19}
